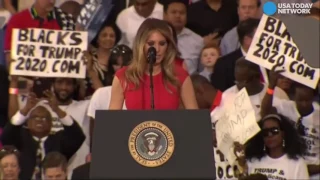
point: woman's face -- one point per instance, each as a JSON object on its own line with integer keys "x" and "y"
{"x": 10, "y": 167}
{"x": 272, "y": 134}
{"x": 119, "y": 64}
{"x": 159, "y": 42}
{"x": 107, "y": 38}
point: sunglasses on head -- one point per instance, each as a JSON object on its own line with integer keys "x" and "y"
{"x": 270, "y": 131}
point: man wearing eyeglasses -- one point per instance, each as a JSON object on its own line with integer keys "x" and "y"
{"x": 35, "y": 140}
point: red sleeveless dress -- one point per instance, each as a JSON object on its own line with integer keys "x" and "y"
{"x": 140, "y": 98}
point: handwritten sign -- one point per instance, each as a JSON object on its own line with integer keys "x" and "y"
{"x": 224, "y": 170}
{"x": 237, "y": 124}
{"x": 272, "y": 45}
{"x": 48, "y": 53}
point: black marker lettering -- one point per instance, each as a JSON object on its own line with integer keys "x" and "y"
{"x": 270, "y": 25}
{"x": 76, "y": 37}
{"x": 61, "y": 36}
{"x": 20, "y": 63}
{"x": 44, "y": 50}
{"x": 23, "y": 35}
{"x": 54, "y": 68}
{"x": 257, "y": 52}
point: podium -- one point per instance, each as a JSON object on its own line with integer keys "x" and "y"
{"x": 152, "y": 144}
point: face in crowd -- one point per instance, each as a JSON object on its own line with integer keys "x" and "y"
{"x": 64, "y": 89}
{"x": 304, "y": 97}
{"x": 209, "y": 56}
{"x": 144, "y": 7}
{"x": 47, "y": 5}
{"x": 176, "y": 14}
{"x": 247, "y": 75}
{"x": 40, "y": 121}
{"x": 55, "y": 173}
{"x": 106, "y": 38}
{"x": 248, "y": 9}
{"x": 273, "y": 135}
{"x": 10, "y": 166}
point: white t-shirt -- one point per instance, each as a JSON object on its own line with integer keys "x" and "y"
{"x": 229, "y": 94}
{"x": 129, "y": 22}
{"x": 78, "y": 111}
{"x": 282, "y": 168}
{"x": 223, "y": 168}
{"x": 100, "y": 100}
{"x": 311, "y": 124}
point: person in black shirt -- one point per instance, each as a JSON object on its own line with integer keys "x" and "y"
{"x": 208, "y": 16}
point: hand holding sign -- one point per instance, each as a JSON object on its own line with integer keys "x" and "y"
{"x": 274, "y": 76}
{"x": 272, "y": 46}
{"x": 238, "y": 124}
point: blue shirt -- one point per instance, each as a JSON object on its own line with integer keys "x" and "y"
{"x": 190, "y": 46}
{"x": 230, "y": 42}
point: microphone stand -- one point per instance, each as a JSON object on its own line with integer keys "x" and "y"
{"x": 151, "y": 84}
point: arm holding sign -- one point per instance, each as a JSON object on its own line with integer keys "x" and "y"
{"x": 268, "y": 98}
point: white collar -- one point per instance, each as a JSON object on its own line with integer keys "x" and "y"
{"x": 42, "y": 139}
{"x": 243, "y": 52}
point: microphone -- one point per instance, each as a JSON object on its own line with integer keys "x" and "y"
{"x": 151, "y": 57}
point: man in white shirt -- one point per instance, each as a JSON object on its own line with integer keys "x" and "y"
{"x": 247, "y": 75}
{"x": 130, "y": 19}
{"x": 100, "y": 100}
{"x": 190, "y": 44}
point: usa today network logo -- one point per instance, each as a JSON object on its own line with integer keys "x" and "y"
{"x": 271, "y": 8}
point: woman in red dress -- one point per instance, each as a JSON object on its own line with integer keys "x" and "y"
{"x": 172, "y": 83}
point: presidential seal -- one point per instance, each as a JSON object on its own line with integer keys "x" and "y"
{"x": 151, "y": 144}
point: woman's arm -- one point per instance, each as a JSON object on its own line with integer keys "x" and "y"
{"x": 117, "y": 97}
{"x": 187, "y": 95}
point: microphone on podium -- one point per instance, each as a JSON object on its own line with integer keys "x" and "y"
{"x": 151, "y": 57}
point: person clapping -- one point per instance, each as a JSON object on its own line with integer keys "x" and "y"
{"x": 35, "y": 140}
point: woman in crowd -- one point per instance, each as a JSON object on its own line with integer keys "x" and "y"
{"x": 9, "y": 163}
{"x": 120, "y": 56}
{"x": 171, "y": 82}
{"x": 103, "y": 43}
{"x": 277, "y": 150}
{"x": 304, "y": 112}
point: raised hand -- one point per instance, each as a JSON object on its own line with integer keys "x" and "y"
{"x": 32, "y": 101}
{"x": 87, "y": 57}
{"x": 274, "y": 76}
{"x": 52, "y": 100}
{"x": 54, "y": 104}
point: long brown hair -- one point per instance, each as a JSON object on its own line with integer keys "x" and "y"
{"x": 138, "y": 65}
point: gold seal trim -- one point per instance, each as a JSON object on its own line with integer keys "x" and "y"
{"x": 157, "y": 128}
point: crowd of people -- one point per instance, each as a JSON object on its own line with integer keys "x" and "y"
{"x": 47, "y": 123}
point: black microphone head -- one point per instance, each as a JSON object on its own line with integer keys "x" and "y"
{"x": 152, "y": 54}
